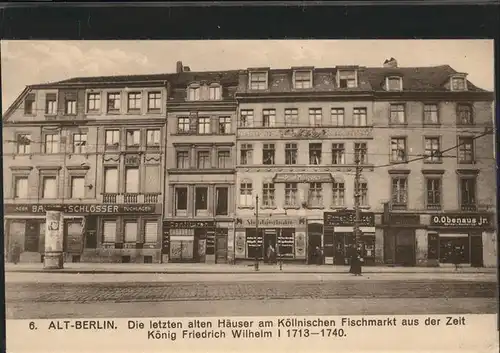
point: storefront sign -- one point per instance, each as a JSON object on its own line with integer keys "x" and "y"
{"x": 303, "y": 178}
{"x": 404, "y": 220}
{"x": 188, "y": 224}
{"x": 271, "y": 222}
{"x": 305, "y": 133}
{"x": 80, "y": 208}
{"x": 454, "y": 220}
{"x": 347, "y": 218}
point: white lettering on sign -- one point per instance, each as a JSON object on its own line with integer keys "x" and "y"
{"x": 306, "y": 133}
{"x": 475, "y": 221}
{"x": 272, "y": 222}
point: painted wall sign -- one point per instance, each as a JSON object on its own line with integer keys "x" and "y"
{"x": 80, "y": 208}
{"x": 346, "y": 218}
{"x": 188, "y": 224}
{"x": 271, "y": 222}
{"x": 457, "y": 220}
{"x": 401, "y": 219}
{"x": 305, "y": 133}
{"x": 303, "y": 178}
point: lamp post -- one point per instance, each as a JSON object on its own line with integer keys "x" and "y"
{"x": 256, "y": 265}
{"x": 357, "y": 209}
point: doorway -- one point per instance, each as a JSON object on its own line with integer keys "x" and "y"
{"x": 341, "y": 246}
{"x": 476, "y": 251}
{"x": 221, "y": 249}
{"x": 269, "y": 239}
{"x": 314, "y": 235}
{"x": 405, "y": 248}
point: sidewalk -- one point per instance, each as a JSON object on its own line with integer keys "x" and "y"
{"x": 105, "y": 268}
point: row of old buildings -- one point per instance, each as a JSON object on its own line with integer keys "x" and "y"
{"x": 176, "y": 167}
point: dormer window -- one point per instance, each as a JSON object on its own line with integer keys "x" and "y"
{"x": 258, "y": 80}
{"x": 458, "y": 83}
{"x": 215, "y": 92}
{"x": 302, "y": 79}
{"x": 194, "y": 93}
{"x": 394, "y": 83}
{"x": 347, "y": 78}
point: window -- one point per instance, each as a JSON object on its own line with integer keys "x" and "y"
{"x": 338, "y": 193}
{"x": 465, "y": 150}
{"x": 225, "y": 125}
{"x": 458, "y": 84}
{"x": 433, "y": 189}
{"x": 93, "y": 101}
{"x": 432, "y": 149}
{"x": 77, "y": 187}
{"x": 109, "y": 231}
{"x": 315, "y": 153}
{"x": 133, "y": 138}
{"x": 315, "y": 198}
{"x": 465, "y": 114}
{"x": 224, "y": 160}
{"x": 183, "y": 125}
{"x": 246, "y": 118}
{"x": 431, "y": 114}
{"x": 268, "y": 153}
{"x": 204, "y": 125}
{"x": 362, "y": 192}
{"x": 246, "y": 190}
{"x": 337, "y": 116}
{"x": 360, "y": 152}
{"x": 49, "y": 184}
{"x": 468, "y": 194}
{"x": 268, "y": 194}
{"x": 398, "y": 149}
{"x": 303, "y": 79}
{"x": 347, "y": 79}
{"x": 52, "y": 143}
{"x": 201, "y": 202}
{"x": 291, "y": 191}
{"x": 21, "y": 187}
{"x": 182, "y": 159}
{"x": 111, "y": 180}
{"x": 359, "y": 116}
{"x": 397, "y": 114}
{"x": 51, "y": 104}
{"x": 203, "y": 161}
{"x": 181, "y": 199}
{"x": 215, "y": 92}
{"x": 153, "y": 137}
{"x": 132, "y": 180}
{"x": 291, "y": 153}
{"x": 134, "y": 101}
{"x": 394, "y": 84}
{"x": 246, "y": 156}
{"x": 221, "y": 201}
{"x": 258, "y": 80}
{"x": 291, "y": 117}
{"x": 29, "y": 104}
{"x": 268, "y": 117}
{"x": 112, "y": 139}
{"x": 194, "y": 94}
{"x": 150, "y": 231}
{"x": 23, "y": 144}
{"x": 338, "y": 153}
{"x": 131, "y": 232}
{"x": 70, "y": 107}
{"x": 154, "y": 101}
{"x": 315, "y": 117}
{"x": 399, "y": 192}
{"x": 113, "y": 102}
{"x": 79, "y": 143}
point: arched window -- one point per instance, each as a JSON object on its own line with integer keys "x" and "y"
{"x": 215, "y": 91}
{"x": 193, "y": 92}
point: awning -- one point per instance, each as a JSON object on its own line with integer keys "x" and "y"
{"x": 303, "y": 178}
{"x": 351, "y": 229}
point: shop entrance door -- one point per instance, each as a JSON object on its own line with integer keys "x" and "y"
{"x": 314, "y": 242}
{"x": 453, "y": 249}
{"x": 221, "y": 249}
{"x": 341, "y": 247}
{"x": 476, "y": 251}
{"x": 405, "y": 248}
{"x": 269, "y": 239}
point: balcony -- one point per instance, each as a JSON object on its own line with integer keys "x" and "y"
{"x": 468, "y": 208}
{"x": 131, "y": 198}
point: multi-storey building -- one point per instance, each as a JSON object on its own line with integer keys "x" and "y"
{"x": 96, "y": 147}
{"x": 198, "y": 225}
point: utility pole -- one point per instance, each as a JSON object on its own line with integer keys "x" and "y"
{"x": 357, "y": 196}
{"x": 256, "y": 266}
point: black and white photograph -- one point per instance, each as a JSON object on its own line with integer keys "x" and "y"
{"x": 231, "y": 178}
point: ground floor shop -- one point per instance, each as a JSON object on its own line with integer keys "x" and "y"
{"x": 91, "y": 233}
{"x": 201, "y": 241}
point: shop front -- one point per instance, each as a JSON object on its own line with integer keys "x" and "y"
{"x": 400, "y": 239}
{"x": 339, "y": 238}
{"x": 92, "y": 232}
{"x": 287, "y": 236}
{"x": 463, "y": 239}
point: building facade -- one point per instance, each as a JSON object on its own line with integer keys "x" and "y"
{"x": 96, "y": 147}
{"x": 198, "y": 222}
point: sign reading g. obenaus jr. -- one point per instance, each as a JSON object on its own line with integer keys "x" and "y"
{"x": 80, "y": 208}
{"x": 456, "y": 220}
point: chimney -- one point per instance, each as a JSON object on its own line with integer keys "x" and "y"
{"x": 179, "y": 67}
{"x": 391, "y": 63}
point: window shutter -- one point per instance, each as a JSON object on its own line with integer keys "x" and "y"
{"x": 109, "y": 232}
{"x": 151, "y": 232}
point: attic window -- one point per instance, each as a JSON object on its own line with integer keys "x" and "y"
{"x": 394, "y": 83}
{"x": 258, "y": 80}
{"x": 194, "y": 93}
{"x": 215, "y": 92}
{"x": 347, "y": 79}
{"x": 29, "y": 103}
{"x": 302, "y": 79}
{"x": 458, "y": 84}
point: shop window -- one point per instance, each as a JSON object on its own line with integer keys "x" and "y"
{"x": 291, "y": 153}
{"x": 131, "y": 232}
{"x": 148, "y": 259}
{"x": 286, "y": 242}
{"x": 454, "y": 248}
{"x": 201, "y": 202}
{"x": 181, "y": 200}
{"x": 268, "y": 117}
{"x": 254, "y": 243}
{"x": 221, "y": 196}
{"x": 315, "y": 153}
{"x": 109, "y": 231}
{"x": 268, "y": 153}
{"x": 338, "y": 153}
